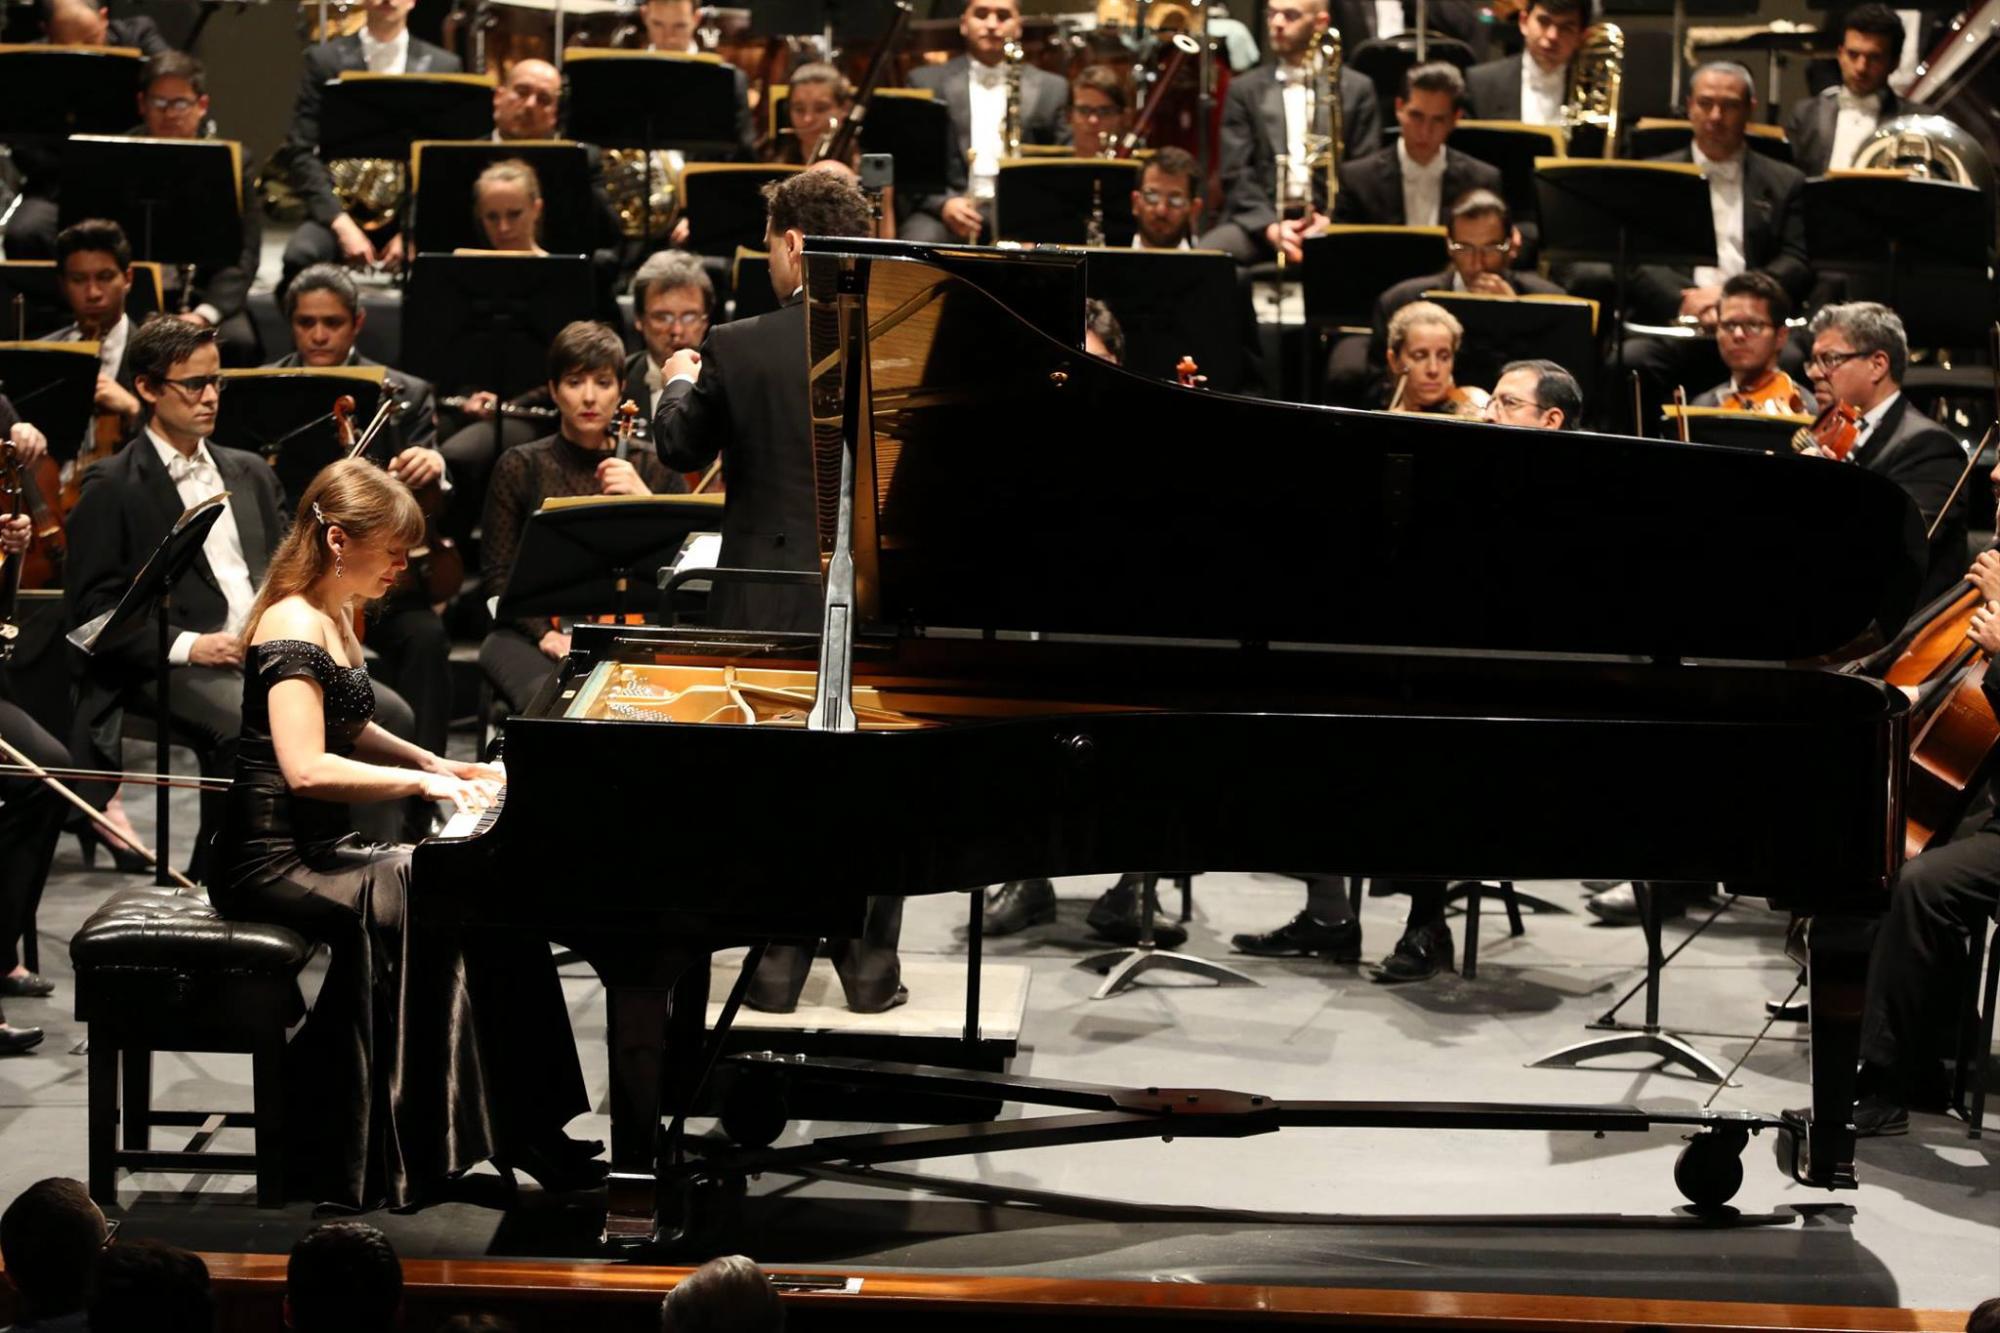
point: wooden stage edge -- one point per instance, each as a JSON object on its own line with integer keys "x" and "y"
{"x": 608, "y": 1295}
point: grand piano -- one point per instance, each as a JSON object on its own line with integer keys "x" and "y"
{"x": 1082, "y": 622}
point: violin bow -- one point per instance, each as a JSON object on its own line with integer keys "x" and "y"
{"x": 33, "y": 769}
{"x": 1971, "y": 463}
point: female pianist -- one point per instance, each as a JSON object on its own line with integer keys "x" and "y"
{"x": 423, "y": 1054}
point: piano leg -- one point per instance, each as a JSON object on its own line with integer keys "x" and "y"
{"x": 654, "y": 1032}
{"x": 1836, "y": 983}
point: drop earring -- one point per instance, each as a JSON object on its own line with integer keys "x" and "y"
{"x": 338, "y": 569}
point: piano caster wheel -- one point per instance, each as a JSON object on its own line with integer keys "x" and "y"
{"x": 1709, "y": 1170}
{"x": 754, "y": 1110}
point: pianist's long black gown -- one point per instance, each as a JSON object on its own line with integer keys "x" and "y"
{"x": 423, "y": 1055}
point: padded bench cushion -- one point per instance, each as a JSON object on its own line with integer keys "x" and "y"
{"x": 149, "y": 956}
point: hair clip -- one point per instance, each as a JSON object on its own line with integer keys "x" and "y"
{"x": 319, "y": 517}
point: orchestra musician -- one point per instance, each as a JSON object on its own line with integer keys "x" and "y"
{"x": 1827, "y": 130}
{"x": 1760, "y": 223}
{"x": 1103, "y": 335}
{"x": 507, "y": 200}
{"x": 1264, "y": 118}
{"x": 31, "y": 821}
{"x": 670, "y": 26}
{"x": 94, "y": 261}
{"x": 1859, "y": 357}
{"x": 31, "y": 231}
{"x": 1100, "y": 111}
{"x": 1481, "y": 244}
{"x": 586, "y": 383}
{"x": 1424, "y": 339}
{"x": 743, "y": 398}
{"x": 1749, "y": 331}
{"x": 422, "y": 1055}
{"x": 1414, "y": 183}
{"x": 973, "y": 87}
{"x": 673, "y": 301}
{"x": 1167, "y": 202}
{"x": 1531, "y": 86}
{"x": 130, "y": 501}
{"x": 173, "y": 104}
{"x": 818, "y": 100}
{"x": 1538, "y": 394}
{"x": 384, "y": 45}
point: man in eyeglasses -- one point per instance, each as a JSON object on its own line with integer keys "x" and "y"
{"x": 1859, "y": 357}
{"x": 1167, "y": 201}
{"x": 1481, "y": 243}
{"x": 1100, "y": 111}
{"x": 1540, "y": 395}
{"x": 1749, "y": 333}
{"x": 173, "y": 104}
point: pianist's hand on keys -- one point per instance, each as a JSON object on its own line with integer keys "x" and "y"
{"x": 470, "y": 789}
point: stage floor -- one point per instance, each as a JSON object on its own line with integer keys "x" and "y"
{"x": 1505, "y": 1212}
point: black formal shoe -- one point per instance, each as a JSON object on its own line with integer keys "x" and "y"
{"x": 13, "y": 1040}
{"x": 1788, "y": 1011}
{"x": 30, "y": 986}
{"x": 1877, "y": 1117}
{"x": 1619, "y": 906}
{"x": 555, "y": 1170}
{"x": 1304, "y": 937}
{"x": 1117, "y": 916}
{"x": 125, "y": 860}
{"x": 1018, "y": 904}
{"x": 1420, "y": 955}
{"x": 900, "y": 996}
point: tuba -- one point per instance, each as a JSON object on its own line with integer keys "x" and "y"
{"x": 1595, "y": 76}
{"x": 1010, "y": 124}
{"x": 1929, "y": 147}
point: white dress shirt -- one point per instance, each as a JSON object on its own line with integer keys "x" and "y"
{"x": 987, "y": 88}
{"x": 196, "y": 477}
{"x": 1725, "y": 201}
{"x": 656, "y": 384}
{"x": 1388, "y": 18}
{"x": 1864, "y": 431}
{"x": 1292, "y": 84}
{"x": 1855, "y": 120}
{"x": 390, "y": 57}
{"x": 1423, "y": 188}
{"x": 1139, "y": 243}
{"x": 1542, "y": 93}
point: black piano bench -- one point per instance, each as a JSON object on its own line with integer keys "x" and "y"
{"x": 161, "y": 971}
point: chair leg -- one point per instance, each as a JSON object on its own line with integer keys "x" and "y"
{"x": 137, "y": 1103}
{"x": 1186, "y": 885}
{"x": 1984, "y": 1053}
{"x": 102, "y": 1129}
{"x": 267, "y": 1078}
{"x": 1471, "y": 966}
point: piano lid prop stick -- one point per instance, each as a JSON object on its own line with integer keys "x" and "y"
{"x": 90, "y": 812}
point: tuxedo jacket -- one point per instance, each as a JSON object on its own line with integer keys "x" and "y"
{"x": 750, "y": 408}
{"x": 1774, "y": 238}
{"x": 127, "y": 507}
{"x": 1371, "y": 188}
{"x": 127, "y": 377}
{"x": 1253, "y": 132}
{"x": 1925, "y": 460}
{"x": 1811, "y": 123}
{"x": 300, "y": 152}
{"x": 1044, "y": 113}
{"x": 1395, "y": 298}
{"x": 39, "y": 161}
{"x": 416, "y": 428}
{"x": 138, "y": 31}
{"x": 1357, "y": 22}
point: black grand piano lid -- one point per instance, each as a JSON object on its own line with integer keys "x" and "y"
{"x": 1008, "y": 481}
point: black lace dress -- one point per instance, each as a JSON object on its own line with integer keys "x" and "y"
{"x": 423, "y": 1054}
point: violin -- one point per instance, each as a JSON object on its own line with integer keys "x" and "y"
{"x": 37, "y": 492}
{"x": 1189, "y": 374}
{"x": 1776, "y": 394}
{"x": 436, "y": 567}
{"x": 625, "y": 428}
{"x": 1832, "y": 434}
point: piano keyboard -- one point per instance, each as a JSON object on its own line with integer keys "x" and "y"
{"x": 472, "y": 823}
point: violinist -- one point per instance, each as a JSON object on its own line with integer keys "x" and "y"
{"x": 1538, "y": 394}
{"x": 1750, "y": 330}
{"x": 1100, "y": 111}
{"x": 1424, "y": 339}
{"x": 586, "y": 382}
{"x": 95, "y": 263}
{"x": 819, "y": 100}
{"x": 1859, "y": 356}
{"x": 31, "y": 819}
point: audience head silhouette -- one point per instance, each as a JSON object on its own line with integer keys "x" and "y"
{"x": 148, "y": 1286}
{"x": 725, "y": 1295}
{"x": 50, "y": 1237}
{"x": 344, "y": 1277}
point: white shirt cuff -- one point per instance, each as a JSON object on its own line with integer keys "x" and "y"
{"x": 680, "y": 379}
{"x": 209, "y": 313}
{"x": 183, "y": 648}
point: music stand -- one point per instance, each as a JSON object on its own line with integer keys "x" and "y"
{"x": 179, "y": 200}
{"x": 652, "y": 100}
{"x": 1654, "y": 136}
{"x": 1051, "y": 201}
{"x": 913, "y": 127}
{"x": 750, "y": 284}
{"x": 151, "y": 593}
{"x": 1904, "y": 232}
{"x": 1512, "y": 146}
{"x": 584, "y": 555}
{"x": 54, "y": 385}
{"x": 1623, "y": 214}
{"x": 486, "y": 321}
{"x": 723, "y": 203}
{"x": 442, "y": 173}
{"x": 285, "y": 415}
{"x": 1767, "y": 432}
{"x": 381, "y": 115}
{"x": 31, "y": 295}
{"x": 1499, "y": 329}
{"x": 56, "y": 91}
{"x": 1175, "y": 303}
{"x": 854, "y": 20}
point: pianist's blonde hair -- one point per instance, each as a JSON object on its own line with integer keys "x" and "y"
{"x": 367, "y": 503}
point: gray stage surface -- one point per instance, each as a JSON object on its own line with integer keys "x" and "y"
{"x": 1506, "y": 1212}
